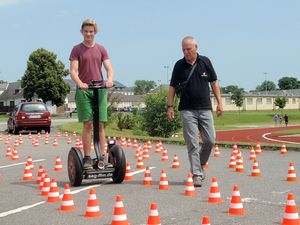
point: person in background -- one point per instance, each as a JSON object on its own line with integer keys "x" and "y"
{"x": 286, "y": 119}
{"x": 276, "y": 118}
{"x": 195, "y": 105}
{"x": 86, "y": 60}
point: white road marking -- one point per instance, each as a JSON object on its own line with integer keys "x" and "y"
{"x": 255, "y": 200}
{"x": 21, "y": 163}
{"x": 26, "y": 207}
{"x": 271, "y": 139}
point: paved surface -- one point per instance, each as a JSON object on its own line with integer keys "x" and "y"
{"x": 264, "y": 197}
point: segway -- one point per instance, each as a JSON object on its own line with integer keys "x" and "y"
{"x": 116, "y": 156}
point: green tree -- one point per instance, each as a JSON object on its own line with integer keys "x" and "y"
{"x": 286, "y": 83}
{"x": 238, "y": 98}
{"x": 280, "y": 101}
{"x": 125, "y": 121}
{"x": 143, "y": 86}
{"x": 156, "y": 122}
{"x": 44, "y": 78}
{"x": 267, "y": 85}
{"x": 231, "y": 89}
{"x": 2, "y": 81}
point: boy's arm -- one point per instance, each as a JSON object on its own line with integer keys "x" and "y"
{"x": 74, "y": 75}
{"x": 109, "y": 72}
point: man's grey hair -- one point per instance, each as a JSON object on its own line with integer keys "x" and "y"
{"x": 190, "y": 38}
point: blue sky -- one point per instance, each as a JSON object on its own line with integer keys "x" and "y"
{"x": 247, "y": 41}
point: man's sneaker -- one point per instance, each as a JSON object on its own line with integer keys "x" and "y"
{"x": 87, "y": 163}
{"x": 106, "y": 162}
{"x": 198, "y": 180}
{"x": 203, "y": 173}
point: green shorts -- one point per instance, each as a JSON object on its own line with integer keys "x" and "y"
{"x": 84, "y": 102}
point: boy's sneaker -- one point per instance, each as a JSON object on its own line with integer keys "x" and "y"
{"x": 198, "y": 181}
{"x": 87, "y": 163}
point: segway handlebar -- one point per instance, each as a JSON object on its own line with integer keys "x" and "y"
{"x": 97, "y": 84}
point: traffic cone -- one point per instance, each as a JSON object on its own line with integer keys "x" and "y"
{"x": 291, "y": 173}
{"x": 189, "y": 189}
{"x": 147, "y": 177}
{"x": 46, "y": 186}
{"x": 30, "y": 136}
{"x": 8, "y": 152}
{"x": 205, "y": 220}
{"x": 128, "y": 174}
{"x": 15, "y": 155}
{"x": 46, "y": 140}
{"x": 92, "y": 209}
{"x": 69, "y": 141}
{"x": 205, "y": 166}
{"x": 291, "y": 216}
{"x": 140, "y": 164}
{"x": 55, "y": 143}
{"x": 255, "y": 169}
{"x": 235, "y": 149}
{"x": 27, "y": 173}
{"x": 163, "y": 182}
{"x": 58, "y": 165}
{"x": 153, "y": 217}
{"x": 283, "y": 150}
{"x": 42, "y": 179}
{"x": 175, "y": 164}
{"x": 39, "y": 175}
{"x": 252, "y": 155}
{"x": 135, "y": 143}
{"x": 239, "y": 164}
{"x": 258, "y": 149}
{"x": 232, "y": 162}
{"x": 165, "y": 157}
{"x": 216, "y": 151}
{"x": 119, "y": 216}
{"x": 146, "y": 155}
{"x": 236, "y": 205}
{"x": 53, "y": 195}
{"x": 29, "y": 161}
{"x": 214, "y": 194}
{"x": 158, "y": 147}
{"x": 67, "y": 203}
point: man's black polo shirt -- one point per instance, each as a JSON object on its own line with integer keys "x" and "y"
{"x": 196, "y": 95}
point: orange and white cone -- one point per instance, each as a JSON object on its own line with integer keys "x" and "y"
{"x": 153, "y": 217}
{"x": 205, "y": 220}
{"x": 147, "y": 177}
{"x": 128, "y": 174}
{"x": 214, "y": 194}
{"x": 55, "y": 143}
{"x": 189, "y": 189}
{"x": 67, "y": 203}
{"x": 15, "y": 155}
{"x": 46, "y": 140}
{"x": 29, "y": 161}
{"x": 163, "y": 182}
{"x": 239, "y": 164}
{"x": 119, "y": 216}
{"x": 140, "y": 164}
{"x": 175, "y": 164}
{"x": 283, "y": 150}
{"x": 69, "y": 141}
{"x": 216, "y": 151}
{"x": 258, "y": 149}
{"x": 255, "y": 169}
{"x": 291, "y": 173}
{"x": 58, "y": 165}
{"x": 53, "y": 195}
{"x": 39, "y": 175}
{"x": 27, "y": 173}
{"x": 232, "y": 162}
{"x": 165, "y": 157}
{"x": 8, "y": 152}
{"x": 205, "y": 166}
{"x": 236, "y": 205}
{"x": 291, "y": 216}
{"x": 46, "y": 186}
{"x": 235, "y": 149}
{"x": 252, "y": 155}
{"x": 42, "y": 179}
{"x": 92, "y": 208}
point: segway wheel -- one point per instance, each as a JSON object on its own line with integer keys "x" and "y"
{"x": 75, "y": 167}
{"x": 119, "y": 161}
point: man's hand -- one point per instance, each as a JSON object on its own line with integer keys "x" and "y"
{"x": 83, "y": 86}
{"x": 170, "y": 113}
{"x": 219, "y": 110}
{"x": 109, "y": 84}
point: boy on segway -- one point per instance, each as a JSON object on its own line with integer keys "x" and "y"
{"x": 86, "y": 61}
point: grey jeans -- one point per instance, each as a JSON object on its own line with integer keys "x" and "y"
{"x": 195, "y": 123}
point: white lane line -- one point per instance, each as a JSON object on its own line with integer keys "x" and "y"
{"x": 21, "y": 163}
{"x": 26, "y": 207}
{"x": 271, "y": 139}
{"x": 255, "y": 200}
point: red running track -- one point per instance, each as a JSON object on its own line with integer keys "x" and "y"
{"x": 257, "y": 135}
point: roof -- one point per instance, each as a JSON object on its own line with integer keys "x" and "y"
{"x": 128, "y": 98}
{"x": 13, "y": 91}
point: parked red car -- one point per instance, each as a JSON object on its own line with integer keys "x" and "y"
{"x": 29, "y": 116}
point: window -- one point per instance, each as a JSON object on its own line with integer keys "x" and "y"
{"x": 269, "y": 100}
{"x": 249, "y": 101}
{"x": 1, "y": 104}
{"x": 259, "y": 101}
{"x": 228, "y": 101}
{"x": 11, "y": 103}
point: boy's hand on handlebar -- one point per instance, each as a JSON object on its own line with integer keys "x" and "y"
{"x": 109, "y": 84}
{"x": 83, "y": 86}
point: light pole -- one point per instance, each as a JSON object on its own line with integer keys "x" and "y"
{"x": 167, "y": 71}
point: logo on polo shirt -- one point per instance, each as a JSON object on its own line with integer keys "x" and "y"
{"x": 204, "y": 75}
